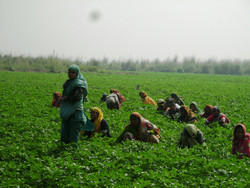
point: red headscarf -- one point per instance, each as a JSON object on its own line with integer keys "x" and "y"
{"x": 241, "y": 145}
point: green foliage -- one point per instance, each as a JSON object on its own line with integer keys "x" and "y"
{"x": 31, "y": 154}
{"x": 54, "y": 64}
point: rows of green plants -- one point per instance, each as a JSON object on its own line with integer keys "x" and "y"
{"x": 31, "y": 154}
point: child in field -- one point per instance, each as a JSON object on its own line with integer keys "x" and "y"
{"x": 146, "y": 99}
{"x": 195, "y": 109}
{"x": 207, "y": 111}
{"x": 241, "y": 141}
{"x": 191, "y": 136}
{"x": 56, "y": 96}
{"x": 101, "y": 125}
{"x": 217, "y": 117}
{"x": 140, "y": 129}
{"x": 186, "y": 115}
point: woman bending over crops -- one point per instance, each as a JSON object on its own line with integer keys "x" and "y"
{"x": 173, "y": 112}
{"x": 186, "y": 115}
{"x": 120, "y": 97}
{"x": 161, "y": 106}
{"x": 178, "y": 99}
{"x": 217, "y": 116}
{"x": 140, "y": 129}
{"x": 146, "y": 99}
{"x": 101, "y": 125}
{"x": 74, "y": 91}
{"x": 112, "y": 101}
{"x": 207, "y": 111}
{"x": 191, "y": 136}
{"x": 241, "y": 141}
{"x": 56, "y": 97}
{"x": 195, "y": 109}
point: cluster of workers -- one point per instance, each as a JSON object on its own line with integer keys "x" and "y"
{"x": 76, "y": 123}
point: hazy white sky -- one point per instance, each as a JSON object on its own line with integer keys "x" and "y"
{"x": 138, "y": 29}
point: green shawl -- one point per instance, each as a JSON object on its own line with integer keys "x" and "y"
{"x": 68, "y": 108}
{"x": 192, "y": 130}
{"x": 197, "y": 111}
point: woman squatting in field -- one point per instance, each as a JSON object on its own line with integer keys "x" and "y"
{"x": 146, "y": 99}
{"x": 241, "y": 141}
{"x": 140, "y": 129}
{"x": 217, "y": 117}
{"x": 73, "y": 118}
{"x": 101, "y": 125}
{"x": 191, "y": 136}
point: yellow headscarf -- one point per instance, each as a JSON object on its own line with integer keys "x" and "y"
{"x": 98, "y": 121}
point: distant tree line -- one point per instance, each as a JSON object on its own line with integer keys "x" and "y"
{"x": 54, "y": 64}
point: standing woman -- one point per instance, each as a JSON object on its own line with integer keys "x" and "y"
{"x": 74, "y": 91}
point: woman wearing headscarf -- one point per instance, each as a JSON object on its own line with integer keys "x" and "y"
{"x": 101, "y": 125}
{"x": 146, "y": 99}
{"x": 191, "y": 136}
{"x": 140, "y": 129}
{"x": 173, "y": 112}
{"x": 56, "y": 97}
{"x": 195, "y": 109}
{"x": 112, "y": 101}
{"x": 120, "y": 97}
{"x": 217, "y": 116}
{"x": 178, "y": 99}
{"x": 161, "y": 107}
{"x": 186, "y": 115}
{"x": 207, "y": 111}
{"x": 241, "y": 141}
{"x": 72, "y": 114}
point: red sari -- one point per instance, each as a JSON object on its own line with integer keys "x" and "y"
{"x": 242, "y": 145}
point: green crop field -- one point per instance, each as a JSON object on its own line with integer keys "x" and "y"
{"x": 31, "y": 154}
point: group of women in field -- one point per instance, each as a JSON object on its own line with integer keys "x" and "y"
{"x": 76, "y": 123}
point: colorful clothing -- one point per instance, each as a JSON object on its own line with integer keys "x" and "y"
{"x": 221, "y": 118}
{"x": 101, "y": 125}
{"x": 146, "y": 99}
{"x": 207, "y": 111}
{"x": 197, "y": 110}
{"x": 145, "y": 132}
{"x": 241, "y": 145}
{"x": 191, "y": 136}
{"x": 186, "y": 115}
{"x": 178, "y": 99}
{"x": 56, "y": 96}
{"x": 120, "y": 97}
{"x": 71, "y": 112}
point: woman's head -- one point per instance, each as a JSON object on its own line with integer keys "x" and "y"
{"x": 160, "y": 102}
{"x": 193, "y": 106}
{"x": 208, "y": 108}
{"x": 73, "y": 71}
{"x": 239, "y": 131}
{"x": 142, "y": 94}
{"x": 95, "y": 112}
{"x": 135, "y": 119}
{"x": 216, "y": 111}
{"x": 174, "y": 95}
